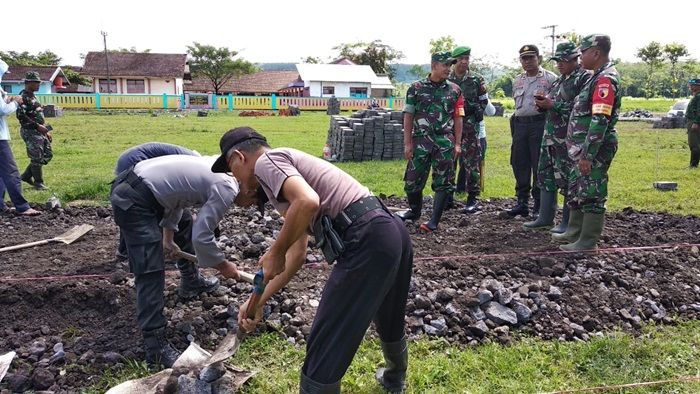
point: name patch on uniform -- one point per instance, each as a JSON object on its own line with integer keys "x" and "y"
{"x": 603, "y": 97}
{"x": 460, "y": 111}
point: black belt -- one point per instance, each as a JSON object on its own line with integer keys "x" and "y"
{"x": 354, "y": 211}
{"x": 530, "y": 119}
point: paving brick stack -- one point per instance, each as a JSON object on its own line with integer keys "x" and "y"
{"x": 366, "y": 135}
{"x": 333, "y": 106}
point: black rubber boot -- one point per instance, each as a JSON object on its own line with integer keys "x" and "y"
{"x": 591, "y": 229}
{"x": 309, "y": 386}
{"x": 393, "y": 376}
{"x": 27, "y": 175}
{"x": 38, "y": 175}
{"x": 520, "y": 209}
{"x": 450, "y": 201}
{"x": 158, "y": 349}
{"x": 536, "y": 206}
{"x": 415, "y": 205}
{"x": 573, "y": 230}
{"x": 472, "y": 204}
{"x": 548, "y": 208}
{"x": 439, "y": 203}
{"x": 192, "y": 283}
{"x": 561, "y": 227}
{"x": 694, "y": 159}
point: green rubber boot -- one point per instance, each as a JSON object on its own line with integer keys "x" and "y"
{"x": 573, "y": 230}
{"x": 591, "y": 230}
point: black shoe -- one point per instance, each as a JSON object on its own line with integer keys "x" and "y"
{"x": 415, "y": 204}
{"x": 472, "y": 204}
{"x": 158, "y": 349}
{"x": 27, "y": 176}
{"x": 39, "y": 186}
{"x": 520, "y": 209}
{"x": 192, "y": 282}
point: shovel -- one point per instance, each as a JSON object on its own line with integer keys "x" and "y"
{"x": 244, "y": 276}
{"x": 67, "y": 238}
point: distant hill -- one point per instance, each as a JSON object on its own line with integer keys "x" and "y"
{"x": 277, "y": 66}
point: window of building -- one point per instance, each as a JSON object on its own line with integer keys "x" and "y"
{"x": 358, "y": 92}
{"x": 112, "y": 86}
{"x": 135, "y": 86}
{"x": 7, "y": 88}
{"x": 329, "y": 90}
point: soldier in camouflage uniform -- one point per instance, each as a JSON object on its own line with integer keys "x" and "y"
{"x": 554, "y": 165}
{"x": 475, "y": 99}
{"x": 432, "y": 124}
{"x": 33, "y": 131}
{"x": 592, "y": 143}
{"x": 692, "y": 120}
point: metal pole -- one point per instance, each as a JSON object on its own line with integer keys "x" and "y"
{"x": 109, "y": 80}
{"x": 553, "y": 36}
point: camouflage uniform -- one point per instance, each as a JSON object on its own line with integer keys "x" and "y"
{"x": 30, "y": 114}
{"x": 554, "y": 164}
{"x": 692, "y": 115}
{"x": 433, "y": 106}
{"x": 593, "y": 137}
{"x": 475, "y": 96}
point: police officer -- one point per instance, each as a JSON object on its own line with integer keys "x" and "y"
{"x": 34, "y": 132}
{"x": 592, "y": 142}
{"x": 554, "y": 164}
{"x": 370, "y": 280}
{"x": 692, "y": 119}
{"x": 527, "y": 127}
{"x": 148, "y": 201}
{"x": 432, "y": 124}
{"x": 476, "y": 98}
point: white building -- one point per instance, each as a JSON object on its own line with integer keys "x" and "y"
{"x": 343, "y": 81}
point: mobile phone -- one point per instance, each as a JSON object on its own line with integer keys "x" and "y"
{"x": 48, "y": 127}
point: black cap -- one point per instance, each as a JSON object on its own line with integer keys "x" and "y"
{"x": 527, "y": 50}
{"x": 230, "y": 139}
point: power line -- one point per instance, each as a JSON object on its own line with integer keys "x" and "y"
{"x": 553, "y": 36}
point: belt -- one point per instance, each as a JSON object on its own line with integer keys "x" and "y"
{"x": 530, "y": 119}
{"x": 354, "y": 211}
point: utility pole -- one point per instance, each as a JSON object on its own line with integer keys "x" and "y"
{"x": 109, "y": 80}
{"x": 553, "y": 35}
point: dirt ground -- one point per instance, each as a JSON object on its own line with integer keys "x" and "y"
{"x": 79, "y": 295}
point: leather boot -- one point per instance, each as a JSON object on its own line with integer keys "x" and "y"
{"x": 309, "y": 386}
{"x": 192, "y": 283}
{"x": 158, "y": 349}
{"x": 439, "y": 202}
{"x": 393, "y": 376}
{"x": 520, "y": 209}
{"x": 548, "y": 208}
{"x": 415, "y": 205}
{"x": 591, "y": 229}
{"x": 561, "y": 227}
{"x": 536, "y": 206}
{"x": 38, "y": 175}
{"x": 472, "y": 204}
{"x": 27, "y": 175}
{"x": 694, "y": 159}
{"x": 573, "y": 230}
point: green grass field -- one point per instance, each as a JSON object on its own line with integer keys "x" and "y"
{"x": 86, "y": 148}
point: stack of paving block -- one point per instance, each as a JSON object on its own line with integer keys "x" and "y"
{"x": 333, "y": 106}
{"x": 366, "y": 135}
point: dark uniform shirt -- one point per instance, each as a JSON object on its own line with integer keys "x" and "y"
{"x": 474, "y": 92}
{"x": 692, "y": 113}
{"x": 434, "y": 105}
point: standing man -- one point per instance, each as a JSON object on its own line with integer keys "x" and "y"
{"x": 9, "y": 174}
{"x": 692, "y": 120}
{"x": 527, "y": 127}
{"x": 554, "y": 164}
{"x": 148, "y": 201}
{"x": 432, "y": 131}
{"x": 476, "y": 98}
{"x": 592, "y": 142}
{"x": 371, "y": 277}
{"x": 33, "y": 131}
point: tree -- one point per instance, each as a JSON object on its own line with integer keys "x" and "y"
{"x": 652, "y": 55}
{"x": 76, "y": 78}
{"x": 418, "y": 71}
{"x": 46, "y": 58}
{"x": 375, "y": 54}
{"x": 570, "y": 36}
{"x": 130, "y": 50}
{"x": 312, "y": 60}
{"x": 442, "y": 44}
{"x": 217, "y": 64}
{"x": 674, "y": 52}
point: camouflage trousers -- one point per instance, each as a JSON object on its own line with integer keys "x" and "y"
{"x": 589, "y": 192}
{"x": 436, "y": 152}
{"x": 38, "y": 146}
{"x": 553, "y": 167}
{"x": 469, "y": 161}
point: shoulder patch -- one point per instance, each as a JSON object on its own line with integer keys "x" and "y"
{"x": 603, "y": 97}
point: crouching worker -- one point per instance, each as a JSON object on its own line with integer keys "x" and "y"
{"x": 149, "y": 202}
{"x": 371, "y": 249}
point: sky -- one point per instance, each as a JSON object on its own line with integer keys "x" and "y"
{"x": 273, "y": 31}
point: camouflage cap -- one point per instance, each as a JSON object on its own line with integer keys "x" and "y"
{"x": 566, "y": 51}
{"x": 443, "y": 57}
{"x": 694, "y": 81}
{"x": 594, "y": 40}
{"x": 461, "y": 51}
{"x": 32, "y": 76}
{"x": 527, "y": 50}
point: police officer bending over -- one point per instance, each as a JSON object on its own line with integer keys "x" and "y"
{"x": 371, "y": 247}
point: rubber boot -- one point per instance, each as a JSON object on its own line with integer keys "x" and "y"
{"x": 192, "y": 283}
{"x": 561, "y": 227}
{"x": 309, "y": 386}
{"x": 591, "y": 230}
{"x": 472, "y": 204}
{"x": 450, "y": 204}
{"x": 415, "y": 205}
{"x": 573, "y": 230}
{"x": 27, "y": 175}
{"x": 438, "y": 207}
{"x": 520, "y": 209}
{"x": 694, "y": 159}
{"x": 536, "y": 206}
{"x": 158, "y": 349}
{"x": 548, "y": 208}
{"x": 38, "y": 175}
{"x": 393, "y": 377}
